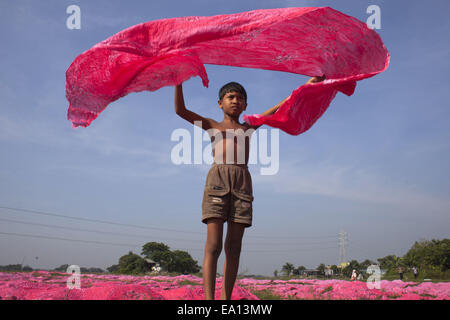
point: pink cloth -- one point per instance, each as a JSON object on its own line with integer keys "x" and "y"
{"x": 308, "y": 41}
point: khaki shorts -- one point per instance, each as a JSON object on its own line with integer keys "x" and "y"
{"x": 228, "y": 194}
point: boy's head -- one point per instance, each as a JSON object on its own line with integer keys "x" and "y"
{"x": 232, "y": 98}
{"x": 232, "y": 86}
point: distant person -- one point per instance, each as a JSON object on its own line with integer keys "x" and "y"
{"x": 400, "y": 272}
{"x": 354, "y": 275}
{"x": 415, "y": 272}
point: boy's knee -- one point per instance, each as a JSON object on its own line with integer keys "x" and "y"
{"x": 233, "y": 248}
{"x": 213, "y": 249}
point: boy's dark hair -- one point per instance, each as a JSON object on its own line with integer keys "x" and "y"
{"x": 232, "y": 86}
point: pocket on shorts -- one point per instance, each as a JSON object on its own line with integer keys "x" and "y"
{"x": 215, "y": 199}
{"x": 243, "y": 202}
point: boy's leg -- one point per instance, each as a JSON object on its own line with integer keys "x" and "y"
{"x": 233, "y": 243}
{"x": 213, "y": 248}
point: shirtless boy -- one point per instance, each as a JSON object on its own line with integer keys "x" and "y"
{"x": 228, "y": 193}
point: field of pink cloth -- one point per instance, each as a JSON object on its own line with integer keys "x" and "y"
{"x": 45, "y": 285}
{"x": 311, "y": 41}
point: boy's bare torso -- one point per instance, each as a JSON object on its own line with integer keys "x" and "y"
{"x": 230, "y": 144}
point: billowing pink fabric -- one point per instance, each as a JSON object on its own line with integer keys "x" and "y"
{"x": 307, "y": 41}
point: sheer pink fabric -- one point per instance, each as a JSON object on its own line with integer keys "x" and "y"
{"x": 308, "y": 41}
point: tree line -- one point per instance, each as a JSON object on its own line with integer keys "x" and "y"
{"x": 430, "y": 257}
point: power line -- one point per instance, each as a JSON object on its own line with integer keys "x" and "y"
{"x": 95, "y": 220}
{"x": 78, "y": 240}
{"x": 293, "y": 237}
{"x": 147, "y": 236}
{"x": 290, "y": 243}
{"x": 65, "y": 239}
{"x": 137, "y": 245}
{"x": 154, "y": 228}
{"x": 90, "y": 230}
{"x": 290, "y": 250}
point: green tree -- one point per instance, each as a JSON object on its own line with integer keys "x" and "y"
{"x": 287, "y": 268}
{"x": 184, "y": 263}
{"x": 429, "y": 254}
{"x": 166, "y": 259}
{"x": 160, "y": 253}
{"x": 11, "y": 267}
{"x": 321, "y": 268}
{"x": 132, "y": 264}
{"x": 91, "y": 270}
{"x": 335, "y": 269}
{"x": 388, "y": 262}
{"x": 300, "y": 269}
{"x": 176, "y": 261}
{"x": 62, "y": 268}
{"x": 365, "y": 264}
{"x": 27, "y": 268}
{"x": 150, "y": 248}
{"x": 114, "y": 268}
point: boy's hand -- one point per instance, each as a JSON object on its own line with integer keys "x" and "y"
{"x": 316, "y": 79}
{"x": 192, "y": 117}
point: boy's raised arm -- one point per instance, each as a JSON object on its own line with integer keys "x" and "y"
{"x": 275, "y": 108}
{"x": 192, "y": 117}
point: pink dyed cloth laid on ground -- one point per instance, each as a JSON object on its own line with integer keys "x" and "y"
{"x": 45, "y": 285}
{"x": 50, "y": 285}
{"x": 307, "y": 41}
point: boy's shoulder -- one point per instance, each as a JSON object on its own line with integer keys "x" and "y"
{"x": 223, "y": 127}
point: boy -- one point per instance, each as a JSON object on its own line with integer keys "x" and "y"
{"x": 228, "y": 193}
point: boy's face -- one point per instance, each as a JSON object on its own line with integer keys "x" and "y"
{"x": 233, "y": 103}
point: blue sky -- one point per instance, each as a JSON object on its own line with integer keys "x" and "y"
{"x": 376, "y": 165}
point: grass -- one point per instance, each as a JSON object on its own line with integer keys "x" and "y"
{"x": 161, "y": 280}
{"x": 427, "y": 295}
{"x": 327, "y": 289}
{"x": 303, "y": 283}
{"x": 55, "y": 274}
{"x": 188, "y": 282}
{"x": 266, "y": 294}
{"x": 51, "y": 275}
